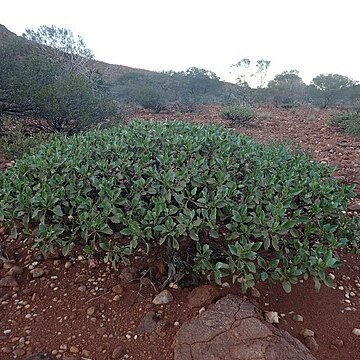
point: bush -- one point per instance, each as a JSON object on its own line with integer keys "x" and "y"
{"x": 15, "y": 145}
{"x": 33, "y": 85}
{"x": 348, "y": 122}
{"x": 229, "y": 205}
{"x": 148, "y": 98}
{"x": 238, "y": 114}
{"x": 15, "y": 140}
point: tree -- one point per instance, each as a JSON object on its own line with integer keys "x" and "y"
{"x": 61, "y": 46}
{"x": 181, "y": 89}
{"x": 330, "y": 86}
{"x": 201, "y": 83}
{"x": 15, "y": 75}
{"x": 56, "y": 97}
{"x": 249, "y": 76}
{"x": 252, "y": 75}
{"x": 262, "y": 71}
{"x": 287, "y": 88}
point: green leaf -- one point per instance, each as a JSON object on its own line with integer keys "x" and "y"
{"x": 194, "y": 236}
{"x": 251, "y": 266}
{"x": 214, "y": 234}
{"x": 57, "y": 210}
{"x": 264, "y": 276}
{"x": 116, "y": 219}
{"x": 107, "y": 230}
{"x": 286, "y": 286}
{"x": 126, "y": 232}
{"x": 159, "y": 228}
{"x": 14, "y": 232}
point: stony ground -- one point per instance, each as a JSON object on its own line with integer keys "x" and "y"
{"x": 79, "y": 309}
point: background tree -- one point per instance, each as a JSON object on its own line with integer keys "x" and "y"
{"x": 250, "y": 76}
{"x": 330, "y": 86}
{"x": 56, "y": 97}
{"x": 287, "y": 88}
{"x": 183, "y": 90}
{"x": 61, "y": 46}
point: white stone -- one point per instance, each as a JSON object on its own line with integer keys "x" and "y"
{"x": 163, "y": 297}
{"x": 272, "y": 317}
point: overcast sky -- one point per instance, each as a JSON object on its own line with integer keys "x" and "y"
{"x": 313, "y": 36}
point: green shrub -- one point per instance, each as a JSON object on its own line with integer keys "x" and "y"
{"x": 238, "y": 114}
{"x": 148, "y": 98}
{"x": 16, "y": 140}
{"x": 14, "y": 145}
{"x": 348, "y": 122}
{"x": 236, "y": 208}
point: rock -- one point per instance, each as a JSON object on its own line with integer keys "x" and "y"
{"x": 356, "y": 332}
{"x": 117, "y": 289}
{"x": 147, "y": 323}
{"x": 68, "y": 265}
{"x": 203, "y": 296}
{"x": 86, "y": 353}
{"x": 82, "y": 278}
{"x": 272, "y": 317}
{"x": 6, "y": 349}
{"x": 233, "y": 329}
{"x": 90, "y": 311}
{"x": 19, "y": 352}
{"x": 311, "y": 344}
{"x": 304, "y": 333}
{"x": 164, "y": 297}
{"x": 15, "y": 270}
{"x": 298, "y": 318}
{"x": 37, "y": 272}
{"x": 255, "y": 293}
{"x": 338, "y": 343}
{"x": 74, "y": 349}
{"x": 8, "y": 281}
{"x": 8, "y": 265}
{"x": 128, "y": 274}
{"x": 117, "y": 353}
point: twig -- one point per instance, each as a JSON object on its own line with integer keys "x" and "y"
{"x": 96, "y": 297}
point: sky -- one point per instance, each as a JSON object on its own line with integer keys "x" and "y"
{"x": 312, "y": 36}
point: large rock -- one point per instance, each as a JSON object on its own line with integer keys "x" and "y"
{"x": 232, "y": 329}
{"x": 8, "y": 281}
{"x": 203, "y": 296}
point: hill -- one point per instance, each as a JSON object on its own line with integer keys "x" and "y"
{"x": 110, "y": 71}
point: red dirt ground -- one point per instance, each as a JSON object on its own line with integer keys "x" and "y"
{"x": 72, "y": 311}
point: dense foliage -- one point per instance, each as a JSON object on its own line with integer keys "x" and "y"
{"x": 158, "y": 90}
{"x": 255, "y": 212}
{"x": 348, "y": 122}
{"x": 16, "y": 140}
{"x": 59, "y": 97}
{"x": 239, "y": 114}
